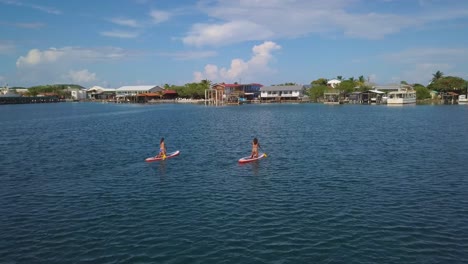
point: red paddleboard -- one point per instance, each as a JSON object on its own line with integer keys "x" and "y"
{"x": 168, "y": 156}
{"x": 248, "y": 159}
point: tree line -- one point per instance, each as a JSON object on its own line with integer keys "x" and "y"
{"x": 439, "y": 83}
{"x": 196, "y": 90}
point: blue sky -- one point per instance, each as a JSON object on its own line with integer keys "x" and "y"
{"x": 130, "y": 42}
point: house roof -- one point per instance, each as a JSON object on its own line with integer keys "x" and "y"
{"x": 282, "y": 88}
{"x": 138, "y": 88}
{"x": 100, "y": 89}
{"x": 169, "y": 92}
{"x": 149, "y": 94}
{"x": 392, "y": 86}
{"x": 375, "y": 91}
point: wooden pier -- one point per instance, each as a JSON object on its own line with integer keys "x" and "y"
{"x": 29, "y": 100}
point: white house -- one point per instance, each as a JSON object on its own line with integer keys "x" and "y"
{"x": 98, "y": 92}
{"x": 135, "y": 90}
{"x": 333, "y": 83}
{"x": 282, "y": 92}
{"x": 78, "y": 94}
{"x": 392, "y": 87}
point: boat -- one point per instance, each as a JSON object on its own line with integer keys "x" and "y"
{"x": 168, "y": 156}
{"x": 248, "y": 159}
{"x": 401, "y": 97}
{"x": 462, "y": 99}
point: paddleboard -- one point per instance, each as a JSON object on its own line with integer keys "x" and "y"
{"x": 168, "y": 156}
{"x": 248, "y": 159}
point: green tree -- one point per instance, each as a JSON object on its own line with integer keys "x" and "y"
{"x": 421, "y": 92}
{"x": 192, "y": 90}
{"x": 206, "y": 83}
{"x": 364, "y": 88}
{"x": 436, "y": 76}
{"x": 339, "y": 77}
{"x": 285, "y": 84}
{"x": 347, "y": 86}
{"x": 448, "y": 84}
{"x": 316, "y": 92}
{"x": 361, "y": 79}
{"x": 320, "y": 81}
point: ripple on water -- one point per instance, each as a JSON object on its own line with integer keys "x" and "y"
{"x": 351, "y": 184}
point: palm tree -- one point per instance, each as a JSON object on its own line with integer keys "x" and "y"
{"x": 437, "y": 76}
{"x": 339, "y": 77}
{"x": 362, "y": 79}
{"x": 206, "y": 83}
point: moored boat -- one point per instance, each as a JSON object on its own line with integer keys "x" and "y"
{"x": 401, "y": 97}
{"x": 462, "y": 99}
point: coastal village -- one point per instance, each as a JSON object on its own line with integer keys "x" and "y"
{"x": 327, "y": 91}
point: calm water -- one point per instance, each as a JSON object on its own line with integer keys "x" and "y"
{"x": 341, "y": 184}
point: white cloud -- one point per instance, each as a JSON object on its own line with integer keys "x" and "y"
{"x": 256, "y": 66}
{"x": 159, "y": 16}
{"x": 125, "y": 22}
{"x": 36, "y": 57}
{"x": 82, "y": 76}
{"x": 189, "y": 55}
{"x": 6, "y": 47}
{"x": 120, "y": 34}
{"x": 31, "y": 25}
{"x": 419, "y": 64}
{"x": 246, "y": 20}
{"x": 231, "y": 32}
{"x": 46, "y": 9}
{"x": 429, "y": 55}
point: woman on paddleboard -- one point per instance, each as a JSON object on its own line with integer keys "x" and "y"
{"x": 255, "y": 146}
{"x": 162, "y": 149}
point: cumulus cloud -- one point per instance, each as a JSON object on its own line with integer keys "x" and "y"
{"x": 235, "y": 21}
{"x": 231, "y": 32}
{"x": 120, "y": 34}
{"x": 81, "y": 76}
{"x": 159, "y": 16}
{"x": 125, "y": 22}
{"x": 257, "y": 65}
{"x": 36, "y": 57}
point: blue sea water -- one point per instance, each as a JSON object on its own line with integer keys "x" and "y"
{"x": 341, "y": 184}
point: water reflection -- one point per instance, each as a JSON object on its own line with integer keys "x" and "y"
{"x": 159, "y": 168}
{"x": 254, "y": 167}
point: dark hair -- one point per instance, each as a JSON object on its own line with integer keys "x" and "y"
{"x": 162, "y": 140}
{"x": 255, "y": 141}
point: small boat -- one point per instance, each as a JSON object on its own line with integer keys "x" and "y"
{"x": 248, "y": 159}
{"x": 168, "y": 156}
{"x": 401, "y": 97}
{"x": 462, "y": 99}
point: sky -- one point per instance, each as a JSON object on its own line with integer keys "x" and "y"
{"x": 112, "y": 43}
